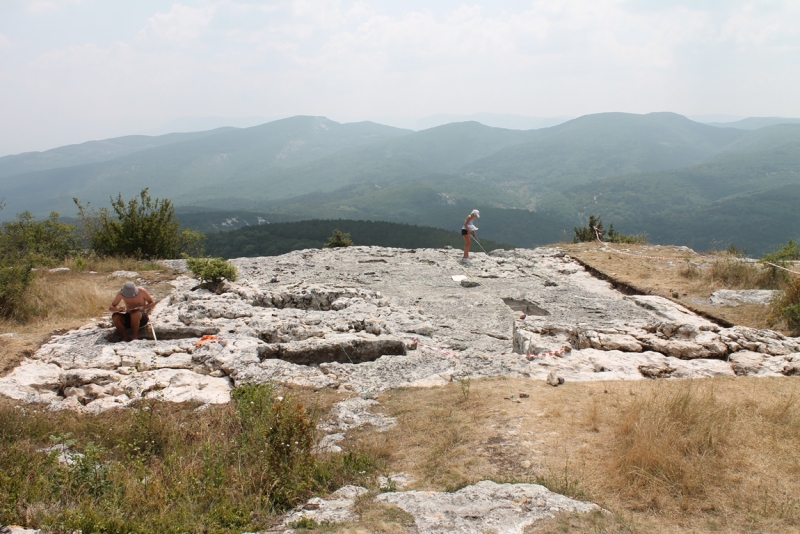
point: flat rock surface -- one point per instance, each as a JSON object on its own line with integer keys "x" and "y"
{"x": 365, "y": 319}
{"x": 734, "y": 297}
{"x": 483, "y": 507}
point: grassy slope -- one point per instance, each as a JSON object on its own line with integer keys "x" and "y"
{"x": 758, "y": 222}
{"x": 210, "y": 220}
{"x": 415, "y": 204}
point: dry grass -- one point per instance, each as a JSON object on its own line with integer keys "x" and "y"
{"x": 110, "y": 264}
{"x": 665, "y": 456}
{"x": 672, "y": 444}
{"x": 729, "y": 272}
{"x": 58, "y": 296}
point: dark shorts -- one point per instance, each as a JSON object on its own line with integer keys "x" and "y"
{"x": 464, "y": 232}
{"x": 126, "y": 320}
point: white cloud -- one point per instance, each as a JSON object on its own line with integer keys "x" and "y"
{"x": 750, "y": 26}
{"x": 43, "y": 7}
{"x": 5, "y": 43}
{"x": 357, "y": 60}
{"x": 180, "y": 24}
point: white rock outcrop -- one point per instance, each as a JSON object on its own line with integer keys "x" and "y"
{"x": 483, "y": 507}
{"x": 365, "y": 319}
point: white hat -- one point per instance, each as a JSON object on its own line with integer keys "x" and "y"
{"x": 476, "y": 213}
{"x": 129, "y": 290}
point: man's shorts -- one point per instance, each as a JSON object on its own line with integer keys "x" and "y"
{"x": 126, "y": 320}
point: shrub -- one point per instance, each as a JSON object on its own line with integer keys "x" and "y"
{"x": 338, "y": 239}
{"x": 276, "y": 439}
{"x": 26, "y": 243}
{"x": 615, "y": 237}
{"x": 787, "y": 305}
{"x": 15, "y": 280}
{"x": 735, "y": 251}
{"x": 140, "y": 228}
{"x": 587, "y": 233}
{"x": 788, "y": 252}
{"x": 212, "y": 272}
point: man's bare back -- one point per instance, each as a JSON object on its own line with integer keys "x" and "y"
{"x": 133, "y": 315}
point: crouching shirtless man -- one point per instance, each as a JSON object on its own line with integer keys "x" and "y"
{"x": 133, "y": 315}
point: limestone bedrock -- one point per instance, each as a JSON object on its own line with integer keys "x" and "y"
{"x": 365, "y": 319}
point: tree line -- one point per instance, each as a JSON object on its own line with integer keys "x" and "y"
{"x": 280, "y": 238}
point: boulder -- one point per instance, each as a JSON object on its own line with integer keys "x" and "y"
{"x": 554, "y": 380}
{"x": 336, "y": 509}
{"x": 746, "y": 362}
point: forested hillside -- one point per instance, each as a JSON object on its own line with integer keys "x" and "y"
{"x": 599, "y": 146}
{"x": 629, "y": 169}
{"x": 177, "y": 170}
{"x": 746, "y": 198}
{"x": 280, "y": 238}
{"x": 520, "y": 228}
{"x": 92, "y": 152}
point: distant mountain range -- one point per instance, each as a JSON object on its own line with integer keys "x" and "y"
{"x": 661, "y": 174}
{"x": 754, "y": 123}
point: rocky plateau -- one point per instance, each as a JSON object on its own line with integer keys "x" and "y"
{"x": 366, "y": 319}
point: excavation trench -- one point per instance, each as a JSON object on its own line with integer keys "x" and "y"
{"x": 628, "y": 289}
{"x": 525, "y": 306}
{"x": 346, "y": 351}
{"x": 165, "y": 335}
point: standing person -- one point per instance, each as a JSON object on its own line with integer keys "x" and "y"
{"x": 469, "y": 229}
{"x": 134, "y": 314}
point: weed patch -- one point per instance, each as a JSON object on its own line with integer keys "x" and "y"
{"x": 731, "y": 272}
{"x": 166, "y": 468}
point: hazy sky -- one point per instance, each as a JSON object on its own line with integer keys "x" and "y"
{"x": 73, "y": 70}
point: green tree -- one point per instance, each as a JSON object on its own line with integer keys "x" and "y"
{"x": 587, "y": 233}
{"x": 44, "y": 242}
{"x": 338, "y": 239}
{"x": 141, "y": 227}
